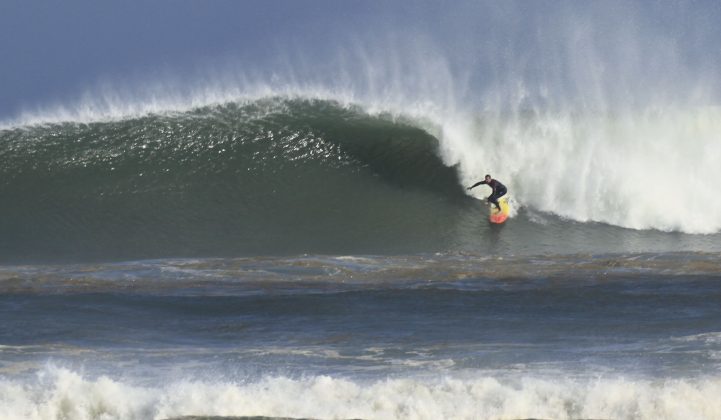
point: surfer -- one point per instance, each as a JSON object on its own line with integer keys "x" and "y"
{"x": 499, "y": 190}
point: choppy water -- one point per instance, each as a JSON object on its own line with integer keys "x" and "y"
{"x": 437, "y": 335}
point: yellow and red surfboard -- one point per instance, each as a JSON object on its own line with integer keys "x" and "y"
{"x": 499, "y": 216}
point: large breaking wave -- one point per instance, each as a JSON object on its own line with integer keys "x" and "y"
{"x": 292, "y": 174}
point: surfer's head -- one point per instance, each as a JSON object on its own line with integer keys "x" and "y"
{"x": 488, "y": 178}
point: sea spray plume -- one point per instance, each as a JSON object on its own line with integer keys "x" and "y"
{"x": 602, "y": 119}
{"x": 408, "y": 76}
{"x": 628, "y": 170}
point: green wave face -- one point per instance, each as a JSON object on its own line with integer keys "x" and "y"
{"x": 269, "y": 177}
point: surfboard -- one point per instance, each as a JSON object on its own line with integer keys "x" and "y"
{"x": 499, "y": 216}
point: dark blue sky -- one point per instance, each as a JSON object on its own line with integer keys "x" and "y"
{"x": 52, "y": 51}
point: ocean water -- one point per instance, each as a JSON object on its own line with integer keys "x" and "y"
{"x": 416, "y": 336}
{"x": 304, "y": 246}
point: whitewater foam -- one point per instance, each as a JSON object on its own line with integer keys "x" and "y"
{"x": 646, "y": 170}
{"x": 61, "y": 393}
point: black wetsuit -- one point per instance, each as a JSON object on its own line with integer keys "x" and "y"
{"x": 499, "y": 190}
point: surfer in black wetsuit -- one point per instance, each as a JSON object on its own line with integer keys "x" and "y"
{"x": 499, "y": 190}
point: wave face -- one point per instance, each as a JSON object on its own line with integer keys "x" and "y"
{"x": 270, "y": 176}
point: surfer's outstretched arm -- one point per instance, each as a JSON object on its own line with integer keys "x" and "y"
{"x": 476, "y": 184}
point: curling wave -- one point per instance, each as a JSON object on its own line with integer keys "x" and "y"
{"x": 269, "y": 176}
